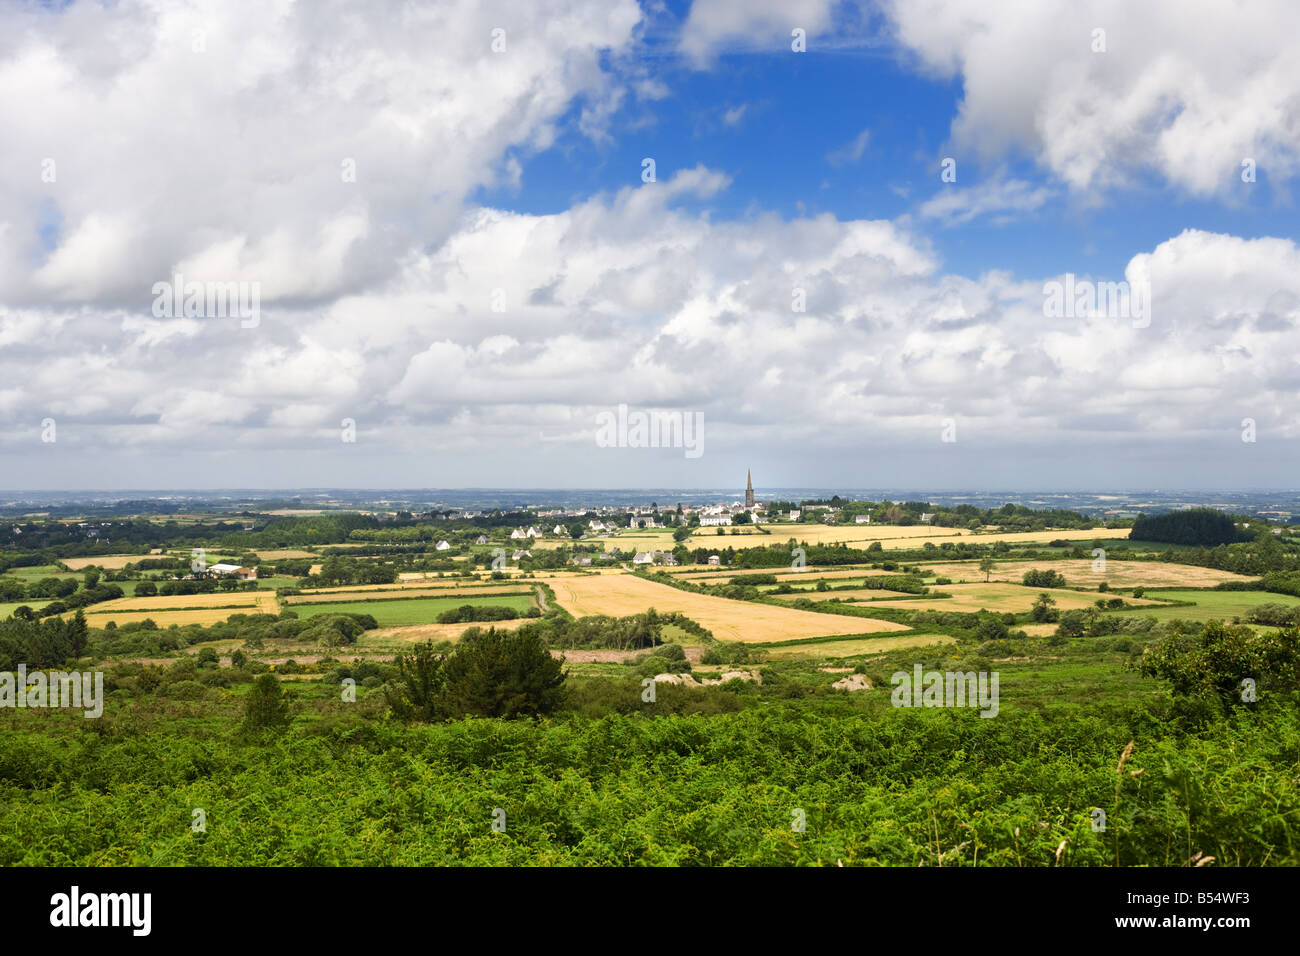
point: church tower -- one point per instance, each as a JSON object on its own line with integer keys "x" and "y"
{"x": 749, "y": 490}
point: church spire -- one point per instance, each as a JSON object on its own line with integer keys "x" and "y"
{"x": 749, "y": 489}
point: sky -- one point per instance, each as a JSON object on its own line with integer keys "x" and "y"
{"x": 460, "y": 236}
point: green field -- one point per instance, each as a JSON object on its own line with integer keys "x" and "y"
{"x": 396, "y": 612}
{"x": 8, "y": 609}
{"x": 1210, "y": 604}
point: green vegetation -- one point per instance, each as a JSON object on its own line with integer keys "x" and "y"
{"x": 399, "y": 611}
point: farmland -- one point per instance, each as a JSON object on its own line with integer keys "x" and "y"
{"x": 1118, "y": 574}
{"x": 728, "y": 620}
{"x": 396, "y": 612}
{"x": 861, "y": 536}
{"x": 180, "y": 668}
{"x": 1014, "y": 598}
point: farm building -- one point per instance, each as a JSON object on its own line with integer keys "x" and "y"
{"x": 234, "y": 571}
{"x": 442, "y": 546}
{"x": 714, "y": 560}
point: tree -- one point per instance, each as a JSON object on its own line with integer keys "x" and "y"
{"x": 502, "y": 674}
{"x": 146, "y": 589}
{"x": 267, "y": 707}
{"x": 1211, "y": 667}
{"x": 78, "y": 633}
{"x": 987, "y": 565}
{"x": 417, "y": 694}
{"x": 1043, "y": 609}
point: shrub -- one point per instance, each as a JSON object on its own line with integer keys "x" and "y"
{"x": 267, "y": 707}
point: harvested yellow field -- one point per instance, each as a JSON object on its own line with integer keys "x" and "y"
{"x": 314, "y": 597}
{"x": 284, "y": 554}
{"x": 109, "y": 562}
{"x": 1037, "y": 630}
{"x": 856, "y": 594}
{"x": 622, "y": 594}
{"x": 808, "y": 574}
{"x": 1015, "y": 598}
{"x": 911, "y": 536}
{"x": 866, "y": 645}
{"x": 165, "y": 619}
{"x": 1118, "y": 574}
{"x": 418, "y": 633}
{"x": 265, "y": 600}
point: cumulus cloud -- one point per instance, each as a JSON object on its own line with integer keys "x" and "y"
{"x": 1183, "y": 93}
{"x": 715, "y": 26}
{"x": 294, "y": 144}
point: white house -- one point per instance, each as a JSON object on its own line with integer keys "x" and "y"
{"x": 481, "y": 539}
{"x": 712, "y": 521}
{"x": 534, "y": 533}
{"x": 714, "y": 559}
{"x": 795, "y": 514}
{"x": 596, "y": 525}
{"x": 926, "y": 516}
{"x": 560, "y": 530}
{"x": 442, "y": 546}
{"x": 519, "y": 533}
{"x": 521, "y": 554}
{"x": 233, "y": 570}
{"x": 862, "y": 519}
{"x": 643, "y": 557}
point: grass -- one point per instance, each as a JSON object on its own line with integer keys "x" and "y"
{"x": 1211, "y": 604}
{"x": 7, "y": 609}
{"x": 399, "y": 611}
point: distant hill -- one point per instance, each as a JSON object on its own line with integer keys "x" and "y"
{"x": 1204, "y": 527}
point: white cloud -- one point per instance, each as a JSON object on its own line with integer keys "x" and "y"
{"x": 850, "y": 152}
{"x": 715, "y": 26}
{"x": 1184, "y": 92}
{"x": 1004, "y": 199}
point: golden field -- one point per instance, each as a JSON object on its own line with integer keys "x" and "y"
{"x": 363, "y": 594}
{"x": 109, "y": 562}
{"x": 1078, "y": 571}
{"x": 623, "y": 594}
{"x": 1015, "y": 598}
{"x": 890, "y": 536}
{"x": 866, "y": 645}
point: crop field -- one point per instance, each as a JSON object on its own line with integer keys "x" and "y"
{"x": 1015, "y": 598}
{"x": 263, "y": 600}
{"x": 392, "y": 613}
{"x": 109, "y": 562}
{"x": 622, "y": 594}
{"x": 373, "y": 594}
{"x": 855, "y": 594}
{"x": 890, "y": 536}
{"x": 396, "y": 639}
{"x": 9, "y": 608}
{"x": 809, "y": 574}
{"x": 35, "y": 573}
{"x": 1118, "y": 574}
{"x": 284, "y": 554}
{"x": 165, "y": 619}
{"x": 856, "y": 647}
{"x": 1212, "y": 604}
